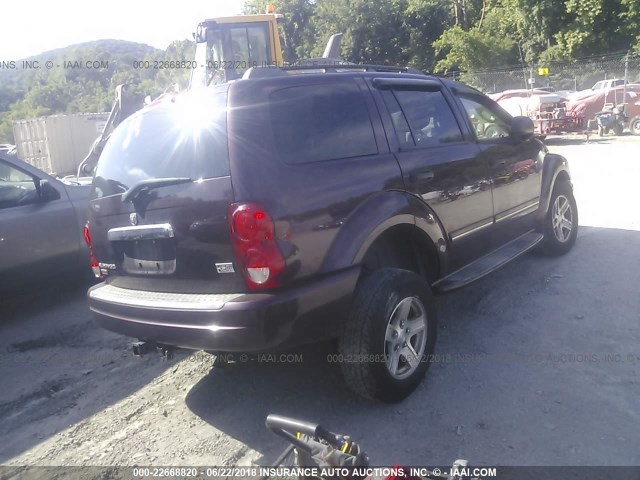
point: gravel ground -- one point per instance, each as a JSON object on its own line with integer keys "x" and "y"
{"x": 537, "y": 365}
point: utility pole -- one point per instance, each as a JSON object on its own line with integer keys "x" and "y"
{"x": 624, "y": 90}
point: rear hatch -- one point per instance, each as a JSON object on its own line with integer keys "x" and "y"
{"x": 158, "y": 208}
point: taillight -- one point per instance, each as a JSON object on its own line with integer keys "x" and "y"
{"x": 253, "y": 238}
{"x": 95, "y": 265}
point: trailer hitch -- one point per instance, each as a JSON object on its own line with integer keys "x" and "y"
{"x": 141, "y": 348}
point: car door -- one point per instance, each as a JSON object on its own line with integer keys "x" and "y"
{"x": 38, "y": 227}
{"x": 515, "y": 165}
{"x": 440, "y": 163}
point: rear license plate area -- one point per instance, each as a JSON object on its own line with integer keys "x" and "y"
{"x": 147, "y": 257}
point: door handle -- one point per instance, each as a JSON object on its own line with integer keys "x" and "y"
{"x": 421, "y": 176}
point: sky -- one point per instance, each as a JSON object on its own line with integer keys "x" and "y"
{"x": 31, "y": 27}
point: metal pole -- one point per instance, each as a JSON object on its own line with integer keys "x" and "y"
{"x": 531, "y": 78}
{"x": 624, "y": 90}
{"x": 524, "y": 72}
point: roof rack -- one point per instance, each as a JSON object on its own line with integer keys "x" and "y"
{"x": 330, "y": 66}
{"x": 353, "y": 66}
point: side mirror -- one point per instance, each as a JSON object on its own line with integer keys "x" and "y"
{"x": 522, "y": 128}
{"x": 46, "y": 191}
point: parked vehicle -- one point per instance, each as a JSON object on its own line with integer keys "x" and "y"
{"x": 607, "y": 84}
{"x": 41, "y": 220}
{"x": 611, "y": 119}
{"x": 589, "y": 104}
{"x": 316, "y": 202}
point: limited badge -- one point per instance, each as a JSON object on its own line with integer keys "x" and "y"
{"x": 133, "y": 218}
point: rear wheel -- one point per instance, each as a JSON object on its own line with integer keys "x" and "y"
{"x": 389, "y": 336}
{"x": 561, "y": 222}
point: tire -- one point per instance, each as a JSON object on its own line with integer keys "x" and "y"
{"x": 558, "y": 240}
{"x": 618, "y": 129}
{"x": 373, "y": 333}
{"x": 634, "y": 125}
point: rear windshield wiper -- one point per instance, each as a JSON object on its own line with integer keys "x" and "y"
{"x": 150, "y": 183}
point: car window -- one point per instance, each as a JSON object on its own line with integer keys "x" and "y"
{"x": 16, "y": 187}
{"x": 429, "y": 118}
{"x": 182, "y": 139}
{"x": 321, "y": 122}
{"x": 488, "y": 122}
{"x": 400, "y": 125}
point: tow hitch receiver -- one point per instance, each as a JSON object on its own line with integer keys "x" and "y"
{"x": 142, "y": 348}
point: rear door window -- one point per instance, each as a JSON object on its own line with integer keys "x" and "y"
{"x": 422, "y": 118}
{"x": 313, "y": 123}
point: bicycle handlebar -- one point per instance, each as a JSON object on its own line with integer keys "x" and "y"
{"x": 286, "y": 427}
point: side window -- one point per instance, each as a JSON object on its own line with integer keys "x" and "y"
{"x": 428, "y": 116}
{"x": 487, "y": 122}
{"x": 314, "y": 123}
{"x": 400, "y": 124}
{"x": 16, "y": 187}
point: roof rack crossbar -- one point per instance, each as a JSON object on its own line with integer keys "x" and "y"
{"x": 354, "y": 66}
{"x": 273, "y": 71}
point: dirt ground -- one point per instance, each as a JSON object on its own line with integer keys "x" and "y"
{"x": 537, "y": 365}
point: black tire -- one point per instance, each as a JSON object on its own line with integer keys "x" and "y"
{"x": 618, "y": 129}
{"x": 363, "y": 345}
{"x": 552, "y": 244}
{"x": 634, "y": 125}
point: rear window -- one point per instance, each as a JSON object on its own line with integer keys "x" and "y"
{"x": 313, "y": 123}
{"x": 187, "y": 138}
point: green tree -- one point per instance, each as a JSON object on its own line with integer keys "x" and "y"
{"x": 473, "y": 50}
{"x": 296, "y": 28}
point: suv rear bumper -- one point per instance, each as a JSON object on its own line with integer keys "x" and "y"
{"x": 251, "y": 322}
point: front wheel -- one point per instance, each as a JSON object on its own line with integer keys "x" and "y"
{"x": 634, "y": 125}
{"x": 389, "y": 336}
{"x": 561, "y": 222}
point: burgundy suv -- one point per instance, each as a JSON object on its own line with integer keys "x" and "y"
{"x": 297, "y": 205}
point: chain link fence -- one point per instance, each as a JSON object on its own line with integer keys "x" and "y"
{"x": 577, "y": 75}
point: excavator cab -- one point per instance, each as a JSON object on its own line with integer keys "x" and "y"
{"x": 226, "y": 47}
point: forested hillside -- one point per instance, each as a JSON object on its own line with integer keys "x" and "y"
{"x": 435, "y": 35}
{"x": 69, "y": 87}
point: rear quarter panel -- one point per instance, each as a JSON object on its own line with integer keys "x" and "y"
{"x": 311, "y": 203}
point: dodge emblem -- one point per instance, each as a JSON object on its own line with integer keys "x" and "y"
{"x": 133, "y": 218}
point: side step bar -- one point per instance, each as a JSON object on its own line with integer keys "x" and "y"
{"x": 487, "y": 264}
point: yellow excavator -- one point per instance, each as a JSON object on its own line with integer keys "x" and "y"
{"x": 226, "y": 47}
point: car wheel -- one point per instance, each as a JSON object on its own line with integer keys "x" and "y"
{"x": 389, "y": 335}
{"x": 561, "y": 222}
{"x": 634, "y": 125}
{"x": 618, "y": 129}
